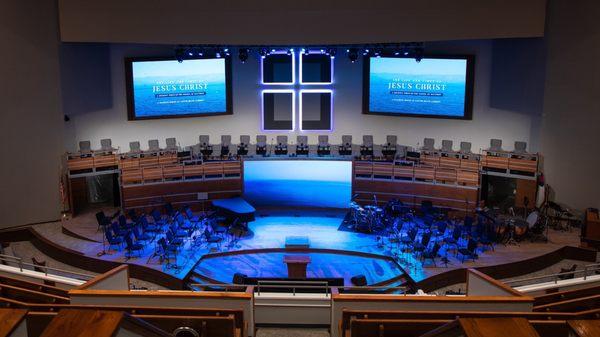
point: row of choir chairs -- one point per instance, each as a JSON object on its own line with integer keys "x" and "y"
{"x": 282, "y": 145}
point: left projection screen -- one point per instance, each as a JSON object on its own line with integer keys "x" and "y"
{"x": 165, "y": 88}
{"x": 298, "y": 183}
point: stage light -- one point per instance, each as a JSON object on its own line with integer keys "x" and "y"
{"x": 218, "y": 55}
{"x": 406, "y": 53}
{"x": 365, "y": 52}
{"x": 353, "y": 54}
{"x": 179, "y": 55}
{"x": 243, "y": 54}
{"x": 419, "y": 53}
{"x": 190, "y": 53}
{"x": 332, "y": 52}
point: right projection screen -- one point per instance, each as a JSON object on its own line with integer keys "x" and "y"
{"x": 439, "y": 87}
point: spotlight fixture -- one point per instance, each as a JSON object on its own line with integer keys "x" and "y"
{"x": 179, "y": 54}
{"x": 365, "y": 52}
{"x": 243, "y": 54}
{"x": 332, "y": 52}
{"x": 419, "y": 54}
{"x": 352, "y": 54}
{"x": 263, "y": 52}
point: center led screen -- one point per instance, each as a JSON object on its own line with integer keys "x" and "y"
{"x": 304, "y": 183}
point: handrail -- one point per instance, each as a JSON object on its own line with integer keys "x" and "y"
{"x": 555, "y": 277}
{"x": 294, "y": 285}
{"x": 19, "y": 261}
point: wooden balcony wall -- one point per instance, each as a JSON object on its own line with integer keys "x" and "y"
{"x": 448, "y": 174}
{"x": 172, "y": 172}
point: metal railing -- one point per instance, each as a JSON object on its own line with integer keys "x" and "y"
{"x": 7, "y": 259}
{"x": 316, "y": 285}
{"x": 587, "y": 270}
{"x": 293, "y": 285}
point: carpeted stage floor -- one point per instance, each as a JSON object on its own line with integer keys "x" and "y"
{"x": 270, "y": 231}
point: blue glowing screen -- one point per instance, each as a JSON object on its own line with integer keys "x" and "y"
{"x": 171, "y": 88}
{"x": 306, "y": 183}
{"x": 433, "y": 87}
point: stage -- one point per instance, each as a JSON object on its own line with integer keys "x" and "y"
{"x": 335, "y": 253}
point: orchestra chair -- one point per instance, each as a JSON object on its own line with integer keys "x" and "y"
{"x": 171, "y": 145}
{"x": 282, "y": 145}
{"x": 85, "y": 148}
{"x": 153, "y": 146}
{"x": 135, "y": 148}
{"x": 389, "y": 148}
{"x": 346, "y": 148}
{"x": 242, "y": 149}
{"x": 225, "y": 145}
{"x": 261, "y": 145}
{"x": 204, "y": 145}
{"x": 495, "y": 145}
{"x": 447, "y": 146}
{"x": 323, "y": 148}
{"x": 465, "y": 147}
{"x": 366, "y": 149}
{"x": 302, "y": 146}
{"x": 428, "y": 144}
{"x": 106, "y": 146}
{"x": 520, "y": 147}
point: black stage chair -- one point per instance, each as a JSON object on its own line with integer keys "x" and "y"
{"x": 366, "y": 149}
{"x": 225, "y": 145}
{"x": 470, "y": 251}
{"x": 567, "y": 270}
{"x": 242, "y": 149}
{"x": 113, "y": 241}
{"x": 133, "y": 247}
{"x": 323, "y": 148}
{"x": 282, "y": 146}
{"x": 261, "y": 145}
{"x": 302, "y": 146}
{"x": 204, "y": 145}
{"x": 431, "y": 254}
{"x": 389, "y": 148}
{"x": 346, "y": 148}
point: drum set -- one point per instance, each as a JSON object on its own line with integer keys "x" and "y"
{"x": 367, "y": 219}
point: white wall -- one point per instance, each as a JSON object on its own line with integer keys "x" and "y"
{"x": 488, "y": 122}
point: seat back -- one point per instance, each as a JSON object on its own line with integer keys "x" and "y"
{"x": 447, "y": 145}
{"x": 323, "y": 140}
{"x": 203, "y": 140}
{"x": 520, "y": 147}
{"x": 282, "y": 140}
{"x": 85, "y": 146}
{"x": 171, "y": 143}
{"x": 134, "y": 147}
{"x": 261, "y": 140}
{"x": 428, "y": 144}
{"x": 347, "y": 140}
{"x": 367, "y": 141}
{"x": 391, "y": 140}
{"x": 244, "y": 140}
{"x": 225, "y": 140}
{"x": 495, "y": 144}
{"x": 465, "y": 147}
{"x": 153, "y": 145}
{"x": 302, "y": 140}
{"x": 106, "y": 144}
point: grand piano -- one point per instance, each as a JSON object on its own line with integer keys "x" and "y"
{"x": 236, "y": 211}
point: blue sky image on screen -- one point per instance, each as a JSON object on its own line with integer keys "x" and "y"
{"x": 430, "y": 87}
{"x": 168, "y": 88}
{"x": 307, "y": 183}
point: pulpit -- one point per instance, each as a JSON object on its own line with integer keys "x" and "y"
{"x": 296, "y": 265}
